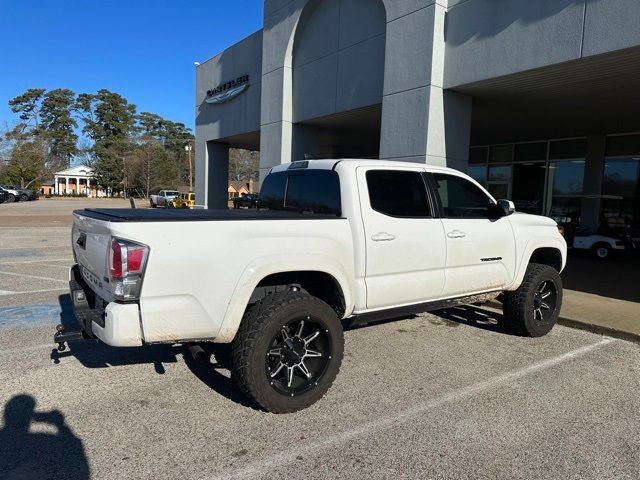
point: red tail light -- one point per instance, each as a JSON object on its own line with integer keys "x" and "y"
{"x": 115, "y": 260}
{"x": 126, "y": 268}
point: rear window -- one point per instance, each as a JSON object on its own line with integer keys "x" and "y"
{"x": 310, "y": 191}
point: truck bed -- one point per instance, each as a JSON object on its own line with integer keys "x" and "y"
{"x": 188, "y": 215}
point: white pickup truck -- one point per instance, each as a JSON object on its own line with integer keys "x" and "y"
{"x": 163, "y": 198}
{"x": 333, "y": 242}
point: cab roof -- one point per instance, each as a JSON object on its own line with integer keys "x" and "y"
{"x": 330, "y": 164}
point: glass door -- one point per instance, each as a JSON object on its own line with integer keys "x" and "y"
{"x": 528, "y": 187}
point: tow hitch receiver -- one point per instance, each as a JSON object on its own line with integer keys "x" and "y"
{"x": 61, "y": 337}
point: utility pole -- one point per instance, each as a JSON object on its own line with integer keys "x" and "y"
{"x": 124, "y": 173}
{"x": 188, "y": 147}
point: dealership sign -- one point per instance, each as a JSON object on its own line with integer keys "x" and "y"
{"x": 227, "y": 91}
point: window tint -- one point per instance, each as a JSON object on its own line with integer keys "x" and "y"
{"x": 460, "y": 198}
{"x": 397, "y": 193}
{"x": 311, "y": 191}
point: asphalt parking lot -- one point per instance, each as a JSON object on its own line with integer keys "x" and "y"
{"x": 444, "y": 396}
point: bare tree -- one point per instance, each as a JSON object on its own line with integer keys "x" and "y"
{"x": 243, "y": 164}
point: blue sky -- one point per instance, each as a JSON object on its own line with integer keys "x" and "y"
{"x": 143, "y": 50}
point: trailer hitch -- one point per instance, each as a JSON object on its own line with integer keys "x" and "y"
{"x": 61, "y": 337}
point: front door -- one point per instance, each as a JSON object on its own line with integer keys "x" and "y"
{"x": 405, "y": 242}
{"x": 480, "y": 249}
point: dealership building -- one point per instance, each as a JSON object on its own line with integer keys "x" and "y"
{"x": 539, "y": 100}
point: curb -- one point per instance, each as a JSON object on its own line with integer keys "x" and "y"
{"x": 589, "y": 327}
{"x": 600, "y": 330}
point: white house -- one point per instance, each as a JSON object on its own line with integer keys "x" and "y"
{"x": 77, "y": 180}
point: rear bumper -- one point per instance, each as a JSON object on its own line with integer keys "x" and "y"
{"x": 116, "y": 324}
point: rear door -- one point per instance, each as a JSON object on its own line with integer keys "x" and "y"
{"x": 480, "y": 249}
{"x": 405, "y": 246}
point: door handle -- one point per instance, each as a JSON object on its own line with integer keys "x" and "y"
{"x": 382, "y": 237}
{"x": 456, "y": 234}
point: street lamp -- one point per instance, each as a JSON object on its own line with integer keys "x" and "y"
{"x": 187, "y": 148}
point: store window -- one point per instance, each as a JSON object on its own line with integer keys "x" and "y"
{"x": 565, "y": 182}
{"x": 501, "y": 153}
{"x": 478, "y": 155}
{"x": 567, "y": 149}
{"x": 499, "y": 181}
{"x": 529, "y": 152}
{"x": 620, "y": 207}
{"x": 478, "y": 173}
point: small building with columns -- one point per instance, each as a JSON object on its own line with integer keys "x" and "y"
{"x": 75, "y": 180}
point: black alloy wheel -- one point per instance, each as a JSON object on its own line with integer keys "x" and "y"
{"x": 298, "y": 356}
{"x": 544, "y": 301}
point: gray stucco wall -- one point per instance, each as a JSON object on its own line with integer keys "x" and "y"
{"x": 492, "y": 38}
{"x": 241, "y": 115}
{"x": 338, "y": 57}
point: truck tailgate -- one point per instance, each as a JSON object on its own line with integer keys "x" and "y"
{"x": 90, "y": 240}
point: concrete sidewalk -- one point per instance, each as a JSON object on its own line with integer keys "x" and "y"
{"x": 609, "y": 316}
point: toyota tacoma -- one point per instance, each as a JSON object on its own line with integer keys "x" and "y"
{"x": 332, "y": 243}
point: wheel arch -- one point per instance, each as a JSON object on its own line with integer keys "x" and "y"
{"x": 551, "y": 252}
{"x": 329, "y": 283}
{"x": 547, "y": 256}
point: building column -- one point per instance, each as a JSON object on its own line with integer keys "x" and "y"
{"x": 66, "y": 184}
{"x": 217, "y": 175}
{"x": 421, "y": 121}
{"x": 276, "y": 119}
{"x": 55, "y": 185}
{"x": 592, "y": 185}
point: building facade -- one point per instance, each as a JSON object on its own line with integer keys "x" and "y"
{"x": 74, "y": 180}
{"x": 537, "y": 99}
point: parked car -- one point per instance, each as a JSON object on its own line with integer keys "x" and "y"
{"x": 249, "y": 200}
{"x": 20, "y": 194}
{"x": 4, "y": 195}
{"x": 163, "y": 198}
{"x": 185, "y": 200}
{"x": 334, "y": 240}
{"x": 13, "y": 195}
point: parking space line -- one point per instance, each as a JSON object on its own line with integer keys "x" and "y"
{"x": 38, "y": 261}
{"x": 33, "y": 276}
{"x": 6, "y": 292}
{"x": 34, "y": 247}
{"x": 276, "y": 460}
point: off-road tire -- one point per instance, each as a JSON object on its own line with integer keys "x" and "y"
{"x": 23, "y": 198}
{"x": 10, "y": 198}
{"x": 518, "y": 306}
{"x": 260, "y": 323}
{"x": 151, "y": 204}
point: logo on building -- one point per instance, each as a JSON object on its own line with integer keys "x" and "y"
{"x": 227, "y": 91}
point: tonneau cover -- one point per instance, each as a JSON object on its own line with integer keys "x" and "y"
{"x": 188, "y": 215}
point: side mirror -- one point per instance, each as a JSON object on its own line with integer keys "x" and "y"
{"x": 506, "y": 207}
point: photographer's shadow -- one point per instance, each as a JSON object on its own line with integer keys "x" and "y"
{"x": 475, "y": 316}
{"x": 37, "y": 455}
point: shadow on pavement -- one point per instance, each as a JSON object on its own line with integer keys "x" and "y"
{"x": 474, "y": 316}
{"x": 94, "y": 354}
{"x": 615, "y": 278}
{"x": 37, "y": 455}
